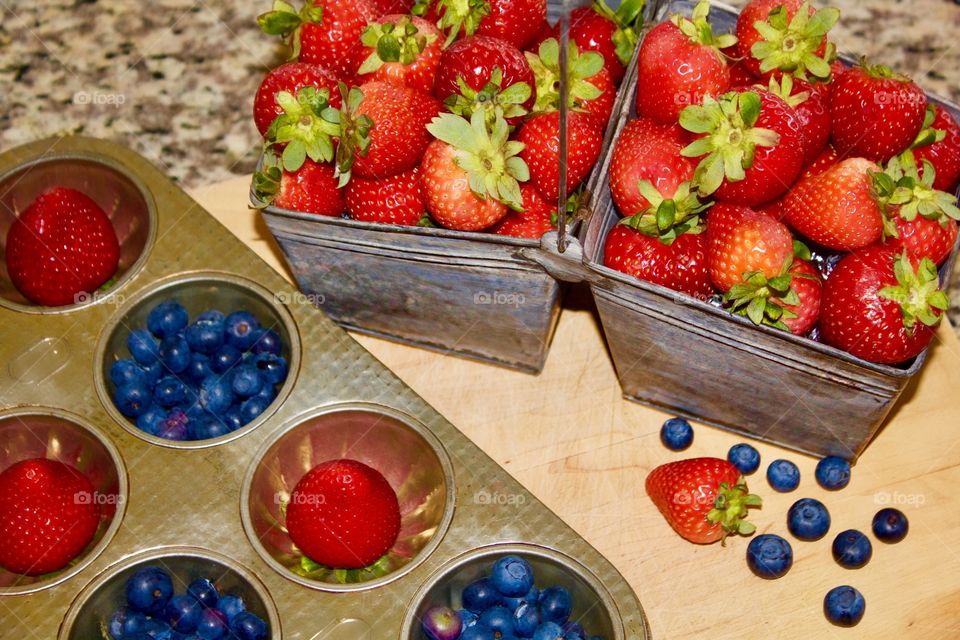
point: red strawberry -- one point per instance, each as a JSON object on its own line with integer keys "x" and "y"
{"x": 403, "y": 49}
{"x": 741, "y": 241}
{"x": 589, "y": 87}
{"x": 290, "y": 77}
{"x": 611, "y": 34}
{"x": 535, "y": 220}
{"x": 47, "y": 516}
{"x": 876, "y": 113}
{"x": 474, "y": 59}
{"x": 343, "y": 514}
{"x": 789, "y": 301}
{"x": 808, "y": 285}
{"x": 470, "y": 175}
{"x": 811, "y": 102}
{"x": 703, "y": 499}
{"x": 941, "y": 148}
{"x": 836, "y": 208}
{"x": 776, "y": 37}
{"x": 391, "y": 7}
{"x": 311, "y": 188}
{"x": 751, "y": 144}
{"x": 663, "y": 243}
{"x": 680, "y": 63}
{"x": 740, "y": 75}
{"x": 925, "y": 237}
{"x": 880, "y": 307}
{"x": 649, "y": 151}
{"x": 827, "y": 158}
{"x": 541, "y": 135}
{"x": 515, "y": 21}
{"x": 395, "y": 200}
{"x": 60, "y": 246}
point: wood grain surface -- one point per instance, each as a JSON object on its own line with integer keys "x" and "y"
{"x": 570, "y": 438}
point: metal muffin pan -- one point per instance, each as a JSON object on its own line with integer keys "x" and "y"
{"x": 209, "y": 507}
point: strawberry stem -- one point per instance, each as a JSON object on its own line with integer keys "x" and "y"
{"x": 629, "y": 20}
{"x": 305, "y": 128}
{"x": 354, "y": 133}
{"x": 698, "y": 29}
{"x": 917, "y": 292}
{"x": 668, "y": 218}
{"x": 730, "y": 509}
{"x": 580, "y": 67}
{"x": 399, "y": 41}
{"x": 899, "y": 190}
{"x": 764, "y": 300}
{"x": 494, "y": 101}
{"x": 284, "y": 21}
{"x": 792, "y": 46}
{"x": 460, "y": 15}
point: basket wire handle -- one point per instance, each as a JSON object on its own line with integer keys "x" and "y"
{"x": 568, "y": 6}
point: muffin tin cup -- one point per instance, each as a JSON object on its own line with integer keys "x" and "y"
{"x": 197, "y": 291}
{"x": 408, "y": 455}
{"x": 122, "y": 196}
{"x": 43, "y": 432}
{"x": 86, "y": 618}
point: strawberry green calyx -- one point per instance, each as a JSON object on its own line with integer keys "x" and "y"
{"x": 764, "y": 300}
{"x": 316, "y": 571}
{"x": 354, "y": 132}
{"x": 928, "y": 134}
{"x": 546, "y": 70}
{"x": 698, "y": 29}
{"x": 792, "y": 46}
{"x": 306, "y": 127}
{"x": 783, "y": 89}
{"x": 393, "y": 42}
{"x": 492, "y": 100}
{"x": 284, "y": 21}
{"x": 629, "y": 20}
{"x": 266, "y": 182}
{"x": 730, "y": 508}
{"x": 668, "y": 218}
{"x": 457, "y": 16}
{"x": 730, "y": 139}
{"x": 917, "y": 292}
{"x": 899, "y": 190}
{"x": 882, "y": 71}
{"x": 491, "y": 160}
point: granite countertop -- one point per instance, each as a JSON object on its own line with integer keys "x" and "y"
{"x": 175, "y": 79}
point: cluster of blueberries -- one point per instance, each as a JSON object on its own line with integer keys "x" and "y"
{"x": 154, "y": 612}
{"x": 507, "y": 606}
{"x": 198, "y": 380}
{"x": 771, "y": 556}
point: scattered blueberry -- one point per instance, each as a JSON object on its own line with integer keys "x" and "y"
{"x": 247, "y": 626}
{"x": 126, "y": 371}
{"x": 133, "y": 399}
{"x": 225, "y": 358}
{"x": 783, "y": 476}
{"x": 246, "y": 381}
{"x": 175, "y": 354}
{"x": 149, "y": 590}
{"x": 480, "y": 595}
{"x": 242, "y": 329}
{"x": 744, "y": 457}
{"x": 143, "y": 347}
{"x": 833, "y": 473}
{"x": 676, "y": 434}
{"x": 204, "y": 591}
{"x": 268, "y": 342}
{"x": 167, "y": 319}
{"x": 555, "y": 604}
{"x": 169, "y": 392}
{"x": 231, "y": 606}
{"x": 769, "y": 556}
{"x": 441, "y": 623}
{"x": 512, "y": 576}
{"x": 183, "y": 612}
{"x": 890, "y": 525}
{"x": 808, "y": 519}
{"x": 852, "y": 549}
{"x": 844, "y": 606}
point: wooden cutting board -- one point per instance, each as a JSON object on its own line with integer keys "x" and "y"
{"x": 570, "y": 438}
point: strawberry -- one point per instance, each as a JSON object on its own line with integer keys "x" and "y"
{"x": 60, "y": 246}
{"x": 541, "y": 137}
{"x": 535, "y": 220}
{"x": 939, "y": 143}
{"x": 395, "y": 200}
{"x": 703, "y": 499}
{"x": 391, "y": 7}
{"x": 880, "y": 307}
{"x": 47, "y": 516}
{"x": 493, "y": 100}
{"x": 811, "y": 103}
{"x": 740, "y": 75}
{"x": 836, "y": 208}
{"x": 589, "y": 87}
{"x": 741, "y": 241}
{"x": 306, "y": 126}
{"x": 343, "y": 514}
{"x": 775, "y": 37}
{"x": 470, "y": 174}
{"x": 751, "y": 146}
{"x": 826, "y": 159}
{"x": 474, "y": 60}
{"x": 680, "y": 63}
{"x": 515, "y": 21}
{"x": 663, "y": 243}
{"x": 876, "y": 113}
{"x": 789, "y": 301}
{"x": 611, "y": 34}
{"x": 290, "y": 77}
{"x": 649, "y": 151}
{"x": 400, "y": 48}
{"x": 310, "y": 188}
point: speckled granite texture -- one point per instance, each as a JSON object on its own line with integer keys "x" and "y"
{"x": 174, "y": 79}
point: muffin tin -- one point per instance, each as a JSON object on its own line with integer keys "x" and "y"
{"x": 213, "y": 507}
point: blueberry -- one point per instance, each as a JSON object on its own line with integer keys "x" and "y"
{"x": 158, "y": 629}
{"x": 231, "y": 418}
{"x": 126, "y": 371}
{"x": 205, "y": 336}
{"x": 469, "y": 618}
{"x": 574, "y": 631}
{"x": 204, "y": 591}
{"x": 246, "y": 381}
{"x": 852, "y": 549}
{"x": 198, "y": 369}
{"x": 183, "y": 612}
{"x": 526, "y": 619}
{"x": 123, "y": 622}
{"x": 207, "y": 428}
{"x": 783, "y": 475}
{"x": 247, "y": 626}
{"x": 225, "y": 358}
{"x": 744, "y": 457}
{"x": 152, "y": 420}
{"x": 890, "y": 525}
{"x": 272, "y": 368}
{"x": 149, "y": 590}
{"x": 676, "y": 434}
{"x": 175, "y": 354}
{"x": 808, "y": 519}
{"x": 512, "y": 576}
{"x": 833, "y": 473}
{"x": 169, "y": 392}
{"x": 133, "y": 399}
{"x": 769, "y": 556}
{"x": 480, "y": 595}
{"x": 268, "y": 341}
{"x": 230, "y": 606}
{"x": 213, "y": 624}
{"x": 242, "y": 329}
{"x": 167, "y": 319}
{"x": 216, "y": 395}
{"x": 267, "y": 393}
{"x": 175, "y": 426}
{"x": 153, "y": 372}
{"x": 548, "y": 631}
{"x": 212, "y": 315}
{"x": 251, "y": 409}
{"x": 498, "y": 618}
{"x": 532, "y": 597}
{"x": 143, "y": 347}
{"x": 441, "y": 623}
{"x": 555, "y": 604}
{"x": 478, "y": 632}
{"x": 844, "y": 606}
